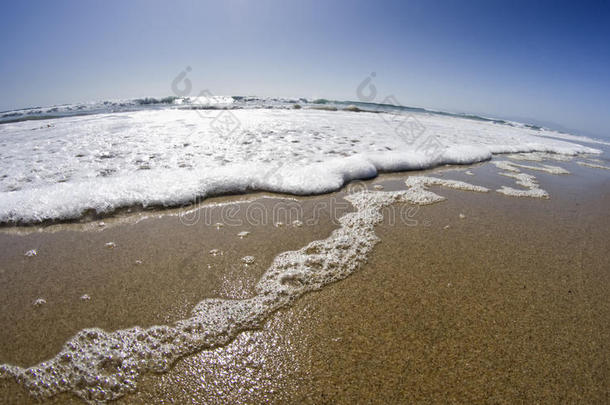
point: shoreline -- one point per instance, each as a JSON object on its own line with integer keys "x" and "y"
{"x": 238, "y": 284}
{"x": 134, "y": 213}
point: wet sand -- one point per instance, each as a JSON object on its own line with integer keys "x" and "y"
{"x": 508, "y": 304}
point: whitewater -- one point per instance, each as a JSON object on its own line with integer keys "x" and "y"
{"x": 68, "y": 162}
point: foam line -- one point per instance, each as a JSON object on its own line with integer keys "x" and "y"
{"x": 528, "y": 181}
{"x": 99, "y": 366}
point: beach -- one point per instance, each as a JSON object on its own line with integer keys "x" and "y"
{"x": 482, "y": 297}
{"x": 275, "y": 202}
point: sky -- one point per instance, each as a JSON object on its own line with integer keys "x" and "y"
{"x": 544, "y": 62}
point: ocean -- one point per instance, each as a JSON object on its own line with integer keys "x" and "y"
{"x": 74, "y": 162}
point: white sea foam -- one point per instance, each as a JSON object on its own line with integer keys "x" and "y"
{"x": 168, "y": 157}
{"x": 99, "y": 366}
{"x": 593, "y": 165}
{"x": 532, "y": 189}
{"x": 528, "y": 181}
{"x": 547, "y": 168}
{"x": 248, "y": 260}
{"x": 418, "y": 192}
{"x": 542, "y": 168}
{"x": 31, "y": 253}
{"x": 540, "y": 156}
{"x": 38, "y": 302}
{"x": 216, "y": 252}
{"x": 505, "y": 165}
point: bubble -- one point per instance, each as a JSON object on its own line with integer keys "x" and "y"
{"x": 39, "y": 302}
{"x": 216, "y": 252}
{"x": 31, "y": 253}
{"x": 247, "y": 260}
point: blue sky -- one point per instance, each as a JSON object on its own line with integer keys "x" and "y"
{"x": 547, "y": 61}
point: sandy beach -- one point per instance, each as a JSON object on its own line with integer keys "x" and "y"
{"x": 481, "y": 298}
{"x": 272, "y": 202}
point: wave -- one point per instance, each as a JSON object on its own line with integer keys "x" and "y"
{"x": 228, "y": 102}
{"x": 82, "y": 166}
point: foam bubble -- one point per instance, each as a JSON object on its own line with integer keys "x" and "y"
{"x": 532, "y": 189}
{"x": 39, "y": 301}
{"x": 31, "y": 253}
{"x": 216, "y": 252}
{"x": 247, "y": 260}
